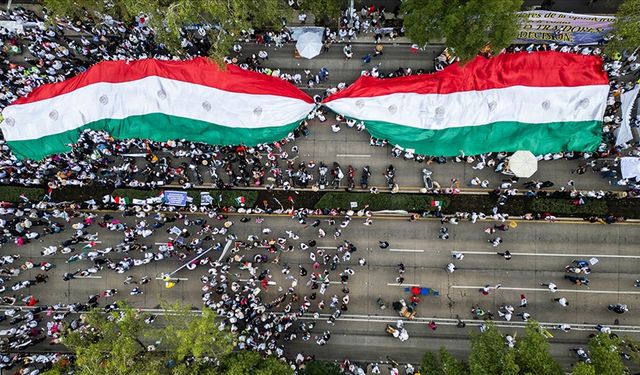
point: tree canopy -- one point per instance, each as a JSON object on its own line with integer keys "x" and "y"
{"x": 582, "y": 368}
{"x": 246, "y": 362}
{"x": 625, "y": 34}
{"x": 532, "y": 353}
{"x": 120, "y": 342}
{"x": 604, "y": 350}
{"x": 490, "y": 355}
{"x": 321, "y": 368}
{"x": 442, "y": 364}
{"x": 221, "y": 20}
{"x": 323, "y": 9}
{"x": 466, "y": 25}
{"x": 112, "y": 344}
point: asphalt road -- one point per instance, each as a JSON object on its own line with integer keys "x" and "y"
{"x": 540, "y": 252}
{"x": 350, "y": 147}
{"x": 395, "y": 55}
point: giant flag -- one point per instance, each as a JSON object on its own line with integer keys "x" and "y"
{"x": 542, "y": 102}
{"x": 158, "y": 100}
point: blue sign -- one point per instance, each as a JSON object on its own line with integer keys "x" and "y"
{"x": 175, "y": 198}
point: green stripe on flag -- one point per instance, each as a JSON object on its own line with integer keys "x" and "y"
{"x": 499, "y": 136}
{"x": 157, "y": 127}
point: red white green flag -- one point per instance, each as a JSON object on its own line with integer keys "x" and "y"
{"x": 542, "y": 102}
{"x": 158, "y": 100}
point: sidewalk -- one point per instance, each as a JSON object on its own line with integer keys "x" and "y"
{"x": 362, "y": 38}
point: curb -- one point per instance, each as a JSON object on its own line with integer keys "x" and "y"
{"x": 406, "y": 190}
{"x": 391, "y": 215}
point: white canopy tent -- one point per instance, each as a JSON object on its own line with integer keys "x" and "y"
{"x": 309, "y": 40}
{"x": 523, "y": 164}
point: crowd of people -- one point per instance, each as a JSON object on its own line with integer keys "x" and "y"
{"x": 40, "y": 53}
{"x": 261, "y": 323}
{"x": 262, "y": 296}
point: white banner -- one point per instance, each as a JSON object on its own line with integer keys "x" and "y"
{"x": 626, "y": 100}
{"x": 563, "y": 28}
{"x": 630, "y": 167}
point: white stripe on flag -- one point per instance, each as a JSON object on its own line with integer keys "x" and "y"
{"x": 183, "y": 99}
{"x": 476, "y": 108}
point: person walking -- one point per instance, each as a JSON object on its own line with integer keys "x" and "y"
{"x": 348, "y": 52}
{"x": 552, "y": 287}
{"x": 562, "y": 301}
{"x": 384, "y": 244}
{"x": 444, "y": 233}
{"x": 523, "y": 300}
{"x": 506, "y": 255}
{"x": 451, "y": 268}
{"x": 495, "y": 241}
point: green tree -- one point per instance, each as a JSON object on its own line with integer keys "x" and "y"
{"x": 582, "y": 368}
{"x": 423, "y": 19}
{"x": 466, "y": 25}
{"x": 429, "y": 364}
{"x": 321, "y": 368}
{"x": 604, "y": 350}
{"x": 443, "y": 364}
{"x": 490, "y": 355}
{"x": 626, "y": 28}
{"x": 183, "y": 334}
{"x": 323, "y": 10}
{"x": 120, "y": 342}
{"x": 247, "y": 362}
{"x": 222, "y": 20}
{"x": 632, "y": 347}
{"x": 112, "y": 344}
{"x": 449, "y": 365}
{"x": 532, "y": 353}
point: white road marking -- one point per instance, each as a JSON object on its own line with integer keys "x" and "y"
{"x": 393, "y": 319}
{"x": 452, "y": 322}
{"x": 575, "y": 256}
{"x": 408, "y": 285}
{"x": 90, "y": 241}
{"x": 547, "y": 290}
{"x": 353, "y": 156}
{"x": 174, "y": 278}
{"x": 408, "y": 250}
{"x": 87, "y": 277}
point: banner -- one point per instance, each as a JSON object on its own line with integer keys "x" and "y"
{"x": 627, "y": 99}
{"x": 205, "y": 198}
{"x": 175, "y": 198}
{"x": 630, "y": 167}
{"x": 562, "y": 28}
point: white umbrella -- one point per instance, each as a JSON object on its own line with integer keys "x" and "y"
{"x": 309, "y": 45}
{"x": 523, "y": 164}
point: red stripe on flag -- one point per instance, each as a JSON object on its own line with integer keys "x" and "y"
{"x": 537, "y": 69}
{"x": 199, "y": 71}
